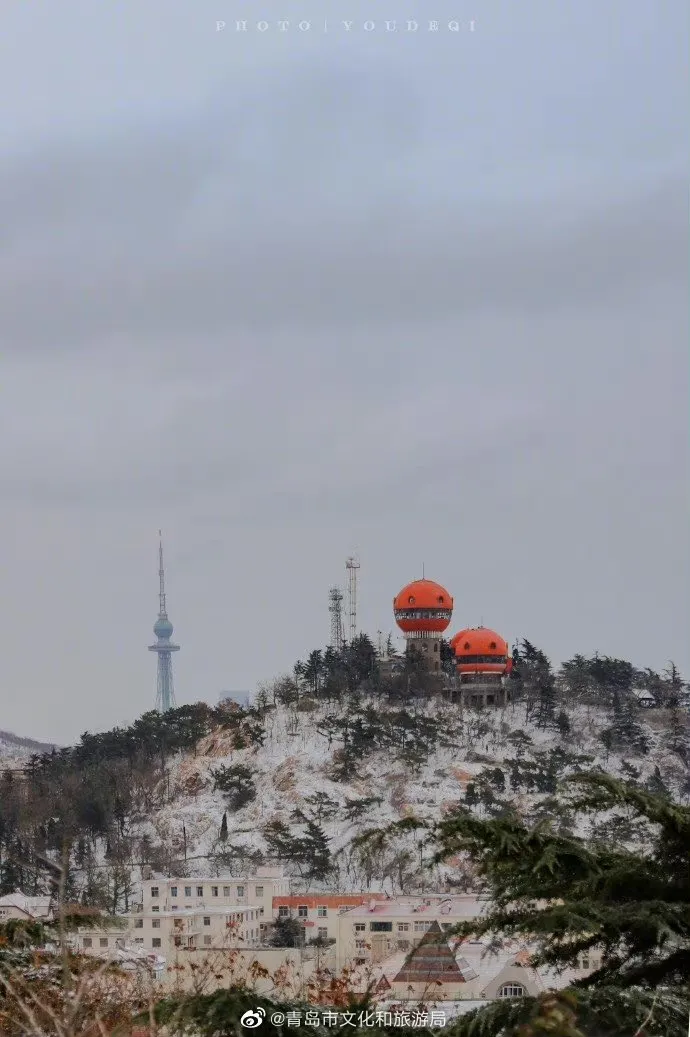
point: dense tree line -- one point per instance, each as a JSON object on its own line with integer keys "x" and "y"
{"x": 90, "y": 796}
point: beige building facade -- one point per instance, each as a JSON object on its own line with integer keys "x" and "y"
{"x": 373, "y": 931}
{"x": 195, "y": 928}
{"x": 178, "y": 894}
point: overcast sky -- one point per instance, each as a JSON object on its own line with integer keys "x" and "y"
{"x": 292, "y": 295}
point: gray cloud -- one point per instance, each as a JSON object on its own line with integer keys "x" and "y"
{"x": 423, "y": 299}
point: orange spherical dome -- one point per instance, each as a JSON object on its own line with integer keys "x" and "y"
{"x": 480, "y": 650}
{"x": 423, "y": 607}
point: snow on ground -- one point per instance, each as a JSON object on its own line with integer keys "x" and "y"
{"x": 15, "y": 751}
{"x": 296, "y": 760}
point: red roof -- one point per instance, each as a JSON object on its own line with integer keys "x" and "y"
{"x": 328, "y": 901}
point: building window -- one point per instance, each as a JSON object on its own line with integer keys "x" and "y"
{"x": 178, "y": 941}
{"x": 436, "y": 646}
{"x": 323, "y": 934}
{"x": 207, "y": 941}
{"x": 360, "y": 927}
{"x": 103, "y": 942}
{"x": 259, "y": 891}
{"x": 403, "y": 927}
{"x": 584, "y": 962}
{"x": 154, "y": 891}
{"x": 322, "y": 911}
{"x": 175, "y": 907}
{"x": 200, "y": 891}
{"x": 512, "y": 990}
{"x": 156, "y": 923}
{"x": 156, "y": 908}
{"x": 207, "y": 920}
{"x": 283, "y": 912}
{"x": 173, "y": 891}
{"x": 214, "y": 891}
{"x": 138, "y": 923}
{"x": 240, "y": 891}
{"x": 188, "y": 891}
{"x": 381, "y": 927}
{"x": 139, "y": 939}
{"x": 360, "y": 944}
{"x": 302, "y": 911}
{"x": 156, "y": 941}
{"x": 88, "y": 942}
{"x": 226, "y": 891}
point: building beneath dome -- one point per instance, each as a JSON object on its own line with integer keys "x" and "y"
{"x": 483, "y": 664}
{"x": 423, "y": 610}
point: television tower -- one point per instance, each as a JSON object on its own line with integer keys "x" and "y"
{"x": 352, "y": 565}
{"x": 163, "y": 628}
{"x": 335, "y": 607}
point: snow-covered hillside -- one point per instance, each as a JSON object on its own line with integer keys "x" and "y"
{"x": 15, "y": 751}
{"x": 484, "y": 758}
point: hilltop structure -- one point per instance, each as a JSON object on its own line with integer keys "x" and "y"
{"x": 423, "y": 610}
{"x": 163, "y": 629}
{"x": 483, "y": 664}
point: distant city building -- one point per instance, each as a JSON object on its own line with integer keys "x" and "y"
{"x": 243, "y": 697}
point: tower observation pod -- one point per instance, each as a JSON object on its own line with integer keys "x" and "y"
{"x": 423, "y": 610}
{"x": 483, "y": 663}
{"x": 164, "y": 647}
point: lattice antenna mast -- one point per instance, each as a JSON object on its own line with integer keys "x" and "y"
{"x": 335, "y": 607}
{"x": 352, "y": 567}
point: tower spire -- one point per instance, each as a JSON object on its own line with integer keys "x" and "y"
{"x": 161, "y": 578}
{"x": 163, "y": 629}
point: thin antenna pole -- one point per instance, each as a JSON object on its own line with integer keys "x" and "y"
{"x": 161, "y": 576}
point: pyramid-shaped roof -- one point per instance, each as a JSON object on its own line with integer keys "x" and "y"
{"x": 431, "y": 961}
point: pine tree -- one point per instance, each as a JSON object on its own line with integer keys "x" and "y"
{"x": 471, "y": 795}
{"x": 678, "y": 740}
{"x": 626, "y": 732}
{"x": 657, "y": 786}
{"x": 563, "y": 722}
{"x": 223, "y": 834}
{"x": 632, "y": 907}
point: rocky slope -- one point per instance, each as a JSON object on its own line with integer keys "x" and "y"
{"x": 301, "y": 781}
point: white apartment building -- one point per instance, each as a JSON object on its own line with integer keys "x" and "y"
{"x": 319, "y": 914}
{"x": 184, "y": 894}
{"x": 196, "y": 928}
{"x": 373, "y": 931}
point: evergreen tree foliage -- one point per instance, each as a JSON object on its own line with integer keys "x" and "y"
{"x": 568, "y": 897}
{"x": 626, "y": 732}
{"x": 237, "y": 782}
{"x": 286, "y": 932}
{"x": 633, "y": 908}
{"x": 537, "y": 684}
